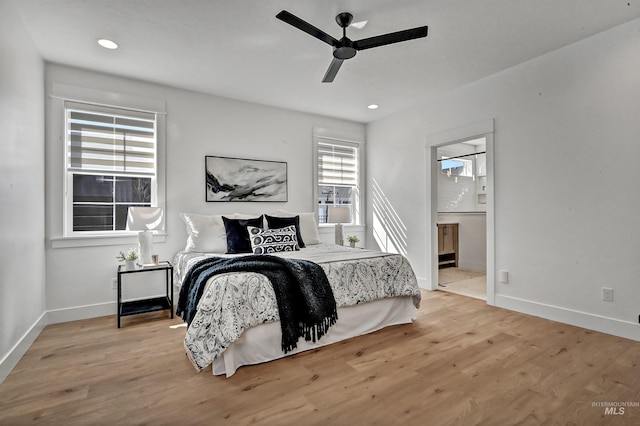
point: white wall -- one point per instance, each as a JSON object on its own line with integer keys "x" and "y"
{"x": 79, "y": 279}
{"x": 566, "y": 177}
{"x": 472, "y": 238}
{"x": 22, "y": 271}
{"x": 460, "y": 193}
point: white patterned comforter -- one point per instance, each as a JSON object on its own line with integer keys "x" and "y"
{"x": 231, "y": 303}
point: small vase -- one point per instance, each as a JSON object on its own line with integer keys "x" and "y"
{"x": 130, "y": 265}
{"x": 352, "y": 244}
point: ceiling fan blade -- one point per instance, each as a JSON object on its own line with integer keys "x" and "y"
{"x": 306, "y": 27}
{"x": 332, "y": 71}
{"x": 398, "y": 36}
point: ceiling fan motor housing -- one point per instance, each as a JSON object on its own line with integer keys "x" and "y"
{"x": 345, "y": 49}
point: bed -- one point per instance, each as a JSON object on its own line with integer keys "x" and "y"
{"x": 237, "y": 319}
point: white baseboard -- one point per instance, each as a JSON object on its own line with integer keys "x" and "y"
{"x": 76, "y": 313}
{"x": 81, "y": 312}
{"x": 9, "y": 362}
{"x": 423, "y": 283}
{"x": 615, "y": 327}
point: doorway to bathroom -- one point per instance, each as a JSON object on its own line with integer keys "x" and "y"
{"x": 461, "y": 220}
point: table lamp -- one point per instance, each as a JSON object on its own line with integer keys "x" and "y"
{"x": 339, "y": 215}
{"x": 145, "y": 220}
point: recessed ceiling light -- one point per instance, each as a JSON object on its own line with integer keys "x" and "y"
{"x": 107, "y": 44}
{"x": 373, "y": 106}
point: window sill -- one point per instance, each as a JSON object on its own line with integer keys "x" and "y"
{"x": 100, "y": 240}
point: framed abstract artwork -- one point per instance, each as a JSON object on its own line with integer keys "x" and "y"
{"x": 240, "y": 179}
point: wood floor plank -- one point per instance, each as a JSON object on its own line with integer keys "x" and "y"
{"x": 461, "y": 362}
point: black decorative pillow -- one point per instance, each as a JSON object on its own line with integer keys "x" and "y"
{"x": 264, "y": 241}
{"x": 237, "y": 234}
{"x": 275, "y": 222}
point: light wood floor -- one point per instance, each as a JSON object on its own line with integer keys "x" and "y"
{"x": 464, "y": 282}
{"x": 461, "y": 362}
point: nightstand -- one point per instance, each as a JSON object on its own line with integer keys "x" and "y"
{"x": 151, "y": 304}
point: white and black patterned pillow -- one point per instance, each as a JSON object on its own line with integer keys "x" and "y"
{"x": 264, "y": 241}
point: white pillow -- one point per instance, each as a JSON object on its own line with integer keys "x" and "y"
{"x": 206, "y": 233}
{"x": 308, "y": 225}
{"x": 242, "y": 216}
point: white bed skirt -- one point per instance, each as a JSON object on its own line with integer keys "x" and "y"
{"x": 263, "y": 343}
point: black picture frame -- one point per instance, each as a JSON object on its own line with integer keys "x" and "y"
{"x": 243, "y": 179}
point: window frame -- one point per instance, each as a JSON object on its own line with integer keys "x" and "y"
{"x": 71, "y": 171}
{"x": 348, "y": 140}
{"x": 57, "y": 188}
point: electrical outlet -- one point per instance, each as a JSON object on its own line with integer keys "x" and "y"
{"x": 114, "y": 283}
{"x": 607, "y": 294}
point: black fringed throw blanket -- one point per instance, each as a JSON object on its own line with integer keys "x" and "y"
{"x": 306, "y": 304}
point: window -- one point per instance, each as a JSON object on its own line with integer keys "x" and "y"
{"x": 338, "y": 177}
{"x": 456, "y": 166}
{"x": 110, "y": 165}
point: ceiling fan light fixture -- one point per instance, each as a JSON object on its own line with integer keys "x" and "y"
{"x": 107, "y": 44}
{"x": 358, "y": 25}
{"x": 344, "y": 52}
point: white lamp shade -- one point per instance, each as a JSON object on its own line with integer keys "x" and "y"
{"x": 145, "y": 218}
{"x": 339, "y": 215}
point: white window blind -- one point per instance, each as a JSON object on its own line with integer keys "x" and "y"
{"x": 111, "y": 166}
{"x": 111, "y": 142}
{"x": 337, "y": 164}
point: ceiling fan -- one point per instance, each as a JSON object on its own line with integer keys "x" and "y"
{"x": 345, "y": 48}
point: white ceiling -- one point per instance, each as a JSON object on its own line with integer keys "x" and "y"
{"x": 238, "y": 49}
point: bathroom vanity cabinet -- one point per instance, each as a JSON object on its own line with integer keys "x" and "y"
{"x": 447, "y": 245}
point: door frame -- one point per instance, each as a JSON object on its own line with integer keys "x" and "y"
{"x": 433, "y": 142}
